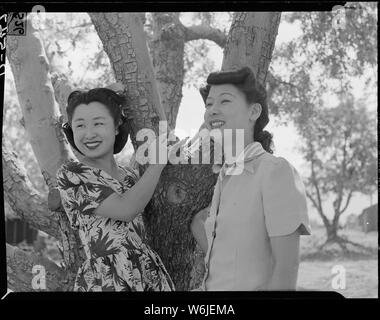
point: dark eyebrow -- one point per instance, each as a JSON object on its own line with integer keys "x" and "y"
{"x": 228, "y": 94}
{"x": 96, "y": 118}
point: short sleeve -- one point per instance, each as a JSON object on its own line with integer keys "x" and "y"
{"x": 284, "y": 200}
{"x": 81, "y": 194}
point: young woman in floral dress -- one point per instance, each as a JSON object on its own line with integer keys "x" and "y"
{"x": 105, "y": 201}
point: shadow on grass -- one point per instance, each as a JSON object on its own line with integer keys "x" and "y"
{"x": 348, "y": 245}
{"x": 334, "y": 250}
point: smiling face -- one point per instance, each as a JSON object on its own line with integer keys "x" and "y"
{"x": 94, "y": 130}
{"x": 227, "y": 108}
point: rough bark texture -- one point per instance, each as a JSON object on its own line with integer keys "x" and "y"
{"x": 205, "y": 32}
{"x": 24, "y": 200}
{"x": 124, "y": 41}
{"x": 251, "y": 41}
{"x": 41, "y": 118}
{"x": 20, "y": 272}
{"x": 167, "y": 50}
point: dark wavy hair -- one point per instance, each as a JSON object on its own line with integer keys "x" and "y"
{"x": 111, "y": 100}
{"x": 244, "y": 79}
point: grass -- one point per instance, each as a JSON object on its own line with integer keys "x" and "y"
{"x": 360, "y": 268}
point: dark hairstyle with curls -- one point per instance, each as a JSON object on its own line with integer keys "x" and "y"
{"x": 111, "y": 100}
{"x": 244, "y": 79}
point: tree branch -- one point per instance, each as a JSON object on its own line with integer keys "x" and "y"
{"x": 315, "y": 184}
{"x": 279, "y": 81}
{"x": 250, "y": 42}
{"x": 340, "y": 181}
{"x": 167, "y": 52}
{"x": 315, "y": 204}
{"x": 82, "y": 25}
{"x": 24, "y": 200}
{"x": 123, "y": 38}
{"x": 40, "y": 111}
{"x": 30, "y": 69}
{"x": 62, "y": 89}
{"x": 319, "y": 209}
{"x": 347, "y": 202}
{"x": 206, "y": 32}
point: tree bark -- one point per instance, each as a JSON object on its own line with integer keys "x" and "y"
{"x": 205, "y": 32}
{"x": 167, "y": 50}
{"x": 24, "y": 200}
{"x": 20, "y": 272}
{"x": 124, "y": 41}
{"x": 251, "y": 41}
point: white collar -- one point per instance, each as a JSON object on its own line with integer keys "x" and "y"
{"x": 250, "y": 152}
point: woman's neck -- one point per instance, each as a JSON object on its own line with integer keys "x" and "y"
{"x": 109, "y": 164}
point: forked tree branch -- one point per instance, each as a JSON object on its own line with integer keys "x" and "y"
{"x": 205, "y": 32}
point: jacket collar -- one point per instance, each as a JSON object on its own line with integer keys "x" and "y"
{"x": 243, "y": 160}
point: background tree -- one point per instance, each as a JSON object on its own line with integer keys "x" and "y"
{"x": 155, "y": 94}
{"x": 339, "y": 145}
{"x": 314, "y": 93}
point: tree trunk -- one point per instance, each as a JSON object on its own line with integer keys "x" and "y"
{"x": 20, "y": 272}
{"x": 124, "y": 41}
{"x": 35, "y": 93}
{"x": 41, "y": 117}
{"x": 24, "y": 200}
{"x": 332, "y": 231}
{"x": 332, "y": 234}
{"x": 167, "y": 51}
{"x": 251, "y": 42}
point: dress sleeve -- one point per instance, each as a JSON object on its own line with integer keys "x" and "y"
{"x": 81, "y": 194}
{"x": 132, "y": 174}
{"x": 284, "y": 200}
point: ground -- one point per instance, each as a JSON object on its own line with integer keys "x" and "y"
{"x": 316, "y": 271}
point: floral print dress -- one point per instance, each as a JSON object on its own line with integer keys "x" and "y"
{"x": 118, "y": 258}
